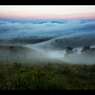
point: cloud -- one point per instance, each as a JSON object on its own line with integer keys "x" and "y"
{"x": 72, "y": 32}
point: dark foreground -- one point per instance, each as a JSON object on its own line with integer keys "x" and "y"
{"x": 47, "y": 76}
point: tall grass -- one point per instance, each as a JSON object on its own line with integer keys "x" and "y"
{"x": 48, "y": 76}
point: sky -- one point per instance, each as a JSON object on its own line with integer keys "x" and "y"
{"x": 39, "y": 13}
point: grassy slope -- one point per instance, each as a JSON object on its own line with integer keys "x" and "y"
{"x": 47, "y": 76}
{"x": 18, "y": 53}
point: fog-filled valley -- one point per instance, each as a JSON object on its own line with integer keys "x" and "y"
{"x": 47, "y": 41}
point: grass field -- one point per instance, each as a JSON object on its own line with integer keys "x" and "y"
{"x": 47, "y": 76}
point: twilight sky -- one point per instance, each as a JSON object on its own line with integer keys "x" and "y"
{"x": 46, "y": 12}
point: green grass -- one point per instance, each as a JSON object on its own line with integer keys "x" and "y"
{"x": 47, "y": 76}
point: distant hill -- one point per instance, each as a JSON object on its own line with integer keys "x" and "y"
{"x": 24, "y": 40}
{"x": 18, "y": 54}
{"x": 62, "y": 42}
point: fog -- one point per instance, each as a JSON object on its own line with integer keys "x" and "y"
{"x": 78, "y": 58}
{"x": 49, "y": 40}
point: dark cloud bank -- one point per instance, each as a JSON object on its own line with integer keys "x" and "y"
{"x": 55, "y": 37}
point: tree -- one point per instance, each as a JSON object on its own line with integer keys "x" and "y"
{"x": 85, "y": 48}
{"x": 69, "y": 50}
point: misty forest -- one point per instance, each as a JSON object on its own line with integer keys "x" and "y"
{"x": 47, "y": 56}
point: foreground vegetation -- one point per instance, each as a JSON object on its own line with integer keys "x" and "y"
{"x": 47, "y": 76}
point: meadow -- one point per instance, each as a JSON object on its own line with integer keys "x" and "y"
{"x": 47, "y": 76}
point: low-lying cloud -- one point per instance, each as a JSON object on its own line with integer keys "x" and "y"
{"x": 74, "y": 33}
{"x": 45, "y": 29}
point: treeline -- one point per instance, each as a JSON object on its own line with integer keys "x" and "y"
{"x": 85, "y": 49}
{"x": 28, "y": 40}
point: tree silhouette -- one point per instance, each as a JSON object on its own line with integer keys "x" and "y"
{"x": 85, "y": 48}
{"x": 69, "y": 50}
